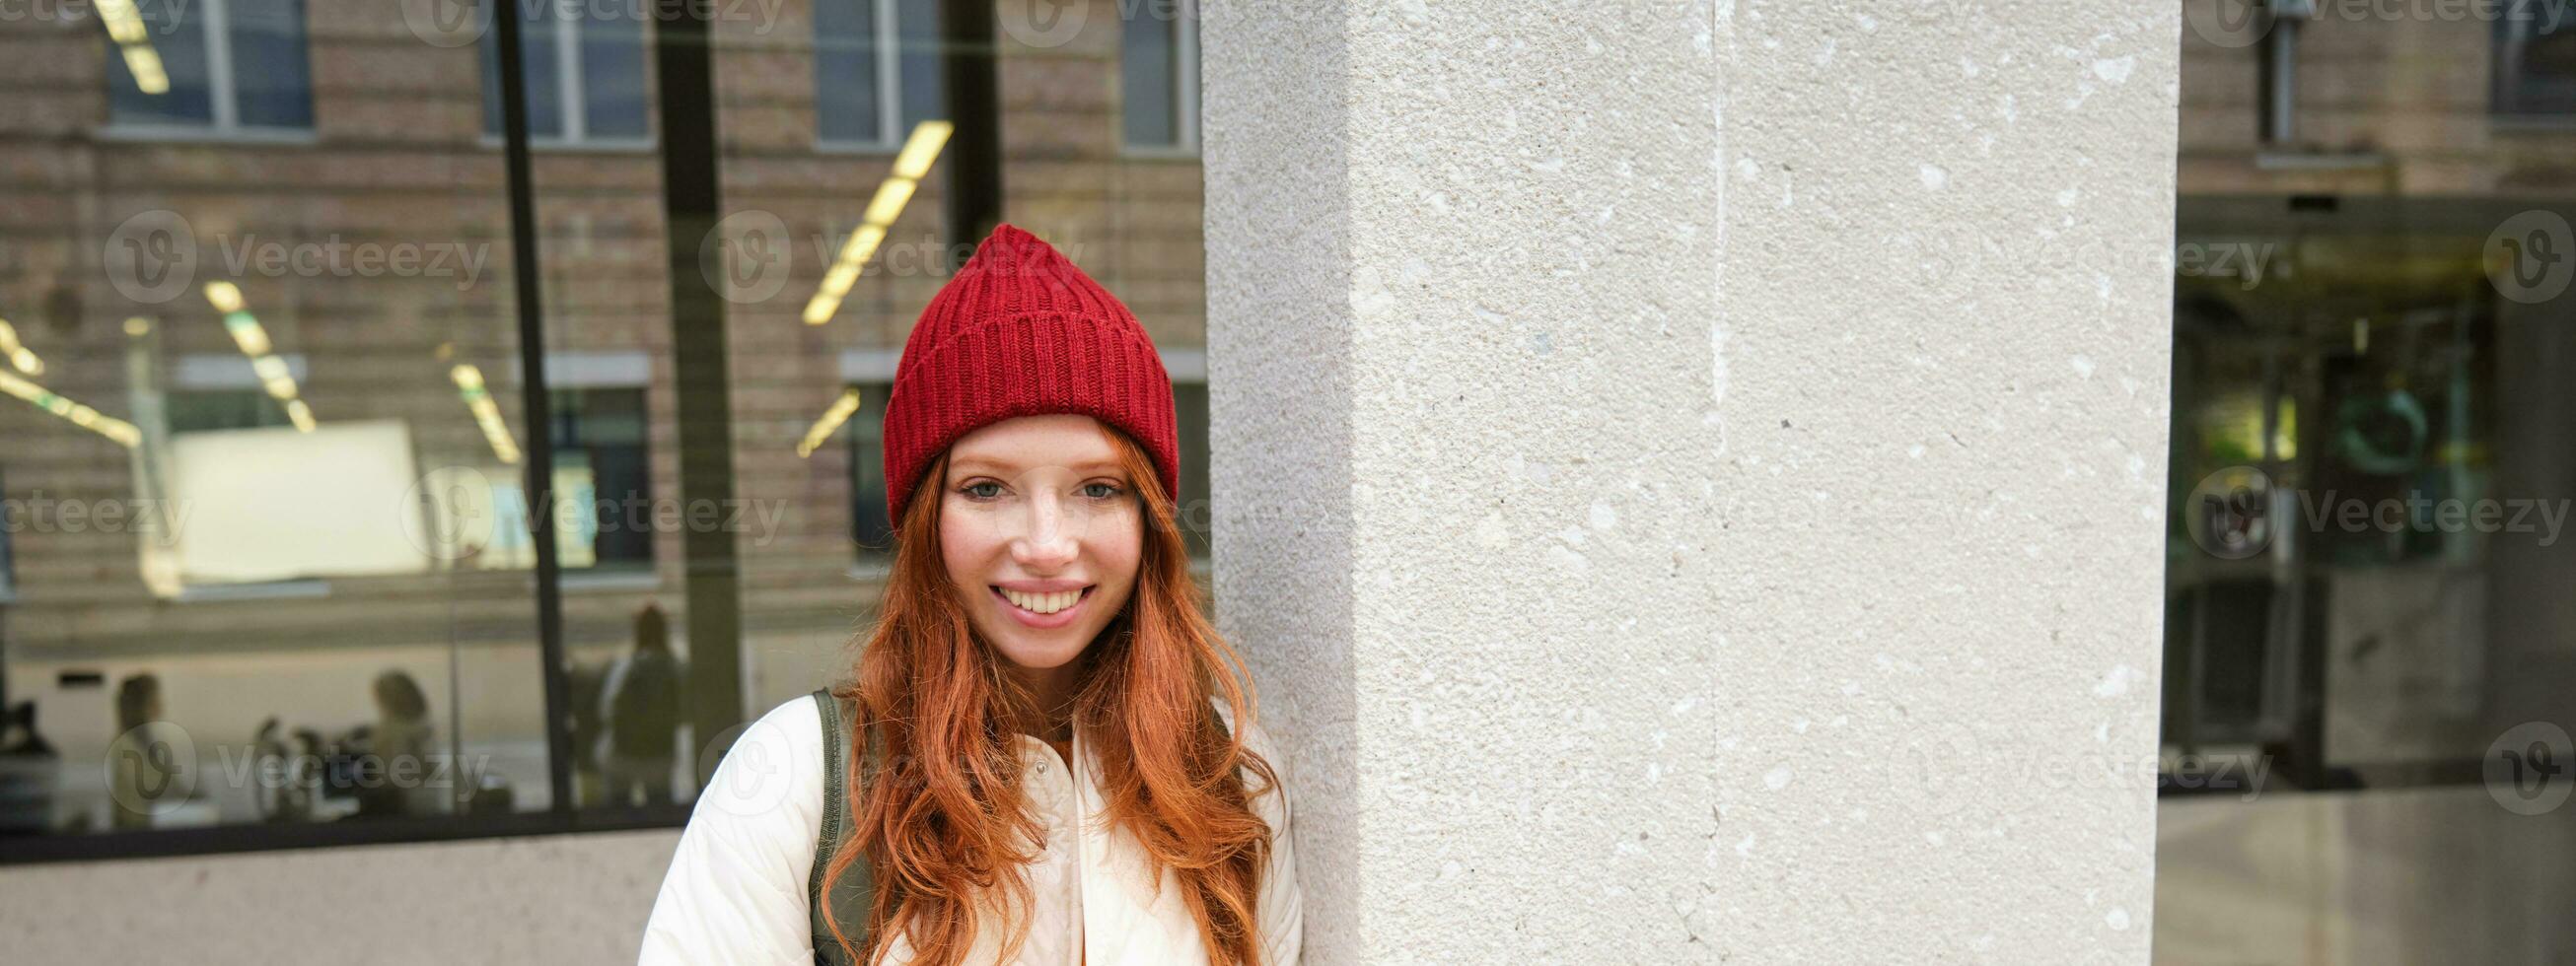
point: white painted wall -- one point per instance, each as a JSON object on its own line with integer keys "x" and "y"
{"x": 1710, "y": 494}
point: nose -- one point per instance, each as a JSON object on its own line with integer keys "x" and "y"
{"x": 1050, "y": 537}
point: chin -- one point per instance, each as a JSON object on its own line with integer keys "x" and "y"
{"x": 1043, "y": 656}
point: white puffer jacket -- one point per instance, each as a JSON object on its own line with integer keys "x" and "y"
{"x": 735, "y": 892}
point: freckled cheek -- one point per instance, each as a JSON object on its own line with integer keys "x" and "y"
{"x": 968, "y": 547}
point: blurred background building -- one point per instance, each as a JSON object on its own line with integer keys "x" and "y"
{"x": 2371, "y": 306}
{"x": 259, "y": 266}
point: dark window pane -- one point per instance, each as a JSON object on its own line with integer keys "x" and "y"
{"x": 1149, "y": 76}
{"x": 7, "y": 577}
{"x": 612, "y": 71}
{"x": 272, "y": 82}
{"x": 869, "y": 526}
{"x": 602, "y": 432}
{"x": 917, "y": 23}
{"x": 544, "y": 70}
{"x": 1190, "y": 407}
{"x": 846, "y": 104}
{"x": 2535, "y": 61}
{"x": 201, "y": 410}
{"x": 178, "y": 38}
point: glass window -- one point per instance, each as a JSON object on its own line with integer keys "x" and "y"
{"x": 870, "y": 529}
{"x": 1190, "y": 406}
{"x": 1159, "y": 74}
{"x": 9, "y": 524}
{"x": 353, "y": 568}
{"x": 876, "y": 61}
{"x": 2535, "y": 61}
{"x": 2366, "y": 630}
{"x": 224, "y": 66}
{"x": 205, "y": 410}
{"x": 601, "y": 464}
{"x": 585, "y": 72}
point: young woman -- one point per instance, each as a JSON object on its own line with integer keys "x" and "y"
{"x": 1046, "y": 755}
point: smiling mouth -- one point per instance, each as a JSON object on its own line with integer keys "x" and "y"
{"x": 1062, "y": 614}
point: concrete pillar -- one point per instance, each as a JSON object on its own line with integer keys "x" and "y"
{"x": 1690, "y": 480}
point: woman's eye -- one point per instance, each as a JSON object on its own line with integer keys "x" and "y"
{"x": 1112, "y": 490}
{"x": 972, "y": 490}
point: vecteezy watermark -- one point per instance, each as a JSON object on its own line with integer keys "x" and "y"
{"x": 154, "y": 256}
{"x": 457, "y": 23}
{"x": 2235, "y": 512}
{"x": 1938, "y": 771}
{"x": 455, "y": 512}
{"x": 746, "y": 256}
{"x": 749, "y": 256}
{"x": 2241, "y": 23}
{"x": 158, "y": 16}
{"x": 156, "y": 768}
{"x": 2247, "y": 262}
{"x": 38, "y": 513}
{"x": 1046, "y": 24}
{"x": 2531, "y": 256}
{"x": 2527, "y": 768}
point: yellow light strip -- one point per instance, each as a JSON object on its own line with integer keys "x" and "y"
{"x": 831, "y": 420}
{"x": 910, "y": 166}
{"x": 226, "y": 296}
{"x": 126, "y": 28}
{"x": 469, "y": 384}
{"x": 274, "y": 375}
{"x": 79, "y": 415}
{"x": 18, "y": 355}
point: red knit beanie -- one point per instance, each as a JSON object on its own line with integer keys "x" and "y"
{"x": 1019, "y": 331}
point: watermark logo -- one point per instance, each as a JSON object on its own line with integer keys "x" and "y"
{"x": 152, "y": 257}
{"x": 152, "y": 768}
{"x": 2230, "y": 513}
{"x": 2247, "y": 262}
{"x": 2234, "y": 513}
{"x": 751, "y": 779}
{"x": 2531, "y": 257}
{"x": 448, "y": 23}
{"x": 2527, "y": 768}
{"x": 2241, "y": 23}
{"x": 1936, "y": 772}
{"x": 746, "y": 256}
{"x": 449, "y": 513}
{"x": 457, "y": 23}
{"x": 2228, "y": 23}
{"x": 1045, "y": 24}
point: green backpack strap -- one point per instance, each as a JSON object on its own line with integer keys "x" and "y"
{"x": 854, "y": 891}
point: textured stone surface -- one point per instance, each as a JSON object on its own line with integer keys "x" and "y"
{"x": 1708, "y": 496}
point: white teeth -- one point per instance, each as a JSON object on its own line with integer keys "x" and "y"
{"x": 1042, "y": 603}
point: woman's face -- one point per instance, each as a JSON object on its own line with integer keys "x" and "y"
{"x": 1041, "y": 532}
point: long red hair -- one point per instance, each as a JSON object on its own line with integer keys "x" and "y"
{"x": 942, "y": 819}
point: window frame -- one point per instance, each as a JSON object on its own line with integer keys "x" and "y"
{"x": 571, "y": 92}
{"x": 8, "y": 559}
{"x": 891, "y": 129}
{"x": 2504, "y": 82}
{"x": 625, "y": 573}
{"x": 1186, "y": 143}
{"x": 223, "y": 96}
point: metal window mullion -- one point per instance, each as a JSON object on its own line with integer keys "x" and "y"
{"x": 536, "y": 409}
{"x": 219, "y": 67}
{"x": 568, "y": 86}
{"x": 889, "y": 46}
{"x": 1185, "y": 71}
